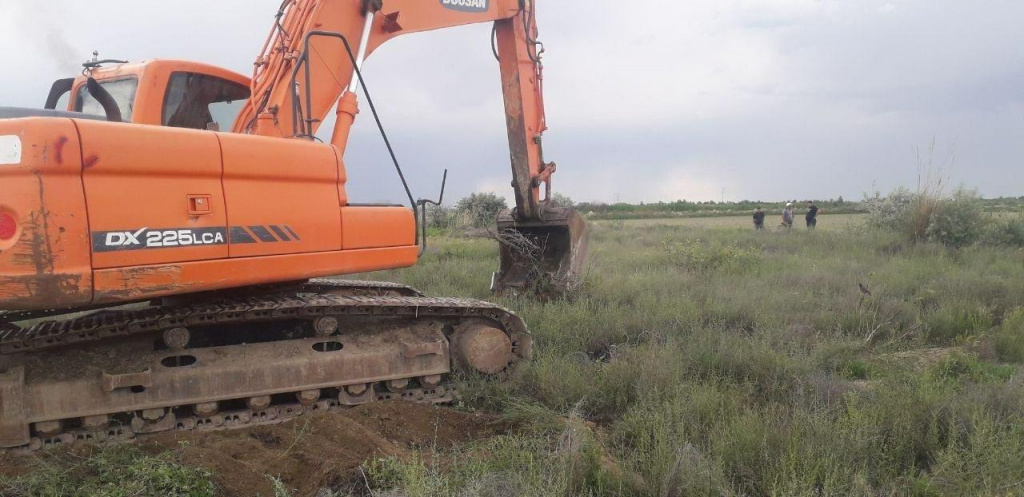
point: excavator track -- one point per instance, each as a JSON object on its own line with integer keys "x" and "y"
{"x": 243, "y": 361}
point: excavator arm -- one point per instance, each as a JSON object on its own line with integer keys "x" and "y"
{"x": 284, "y": 105}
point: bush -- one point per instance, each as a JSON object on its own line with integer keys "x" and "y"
{"x": 958, "y": 220}
{"x": 1005, "y": 233}
{"x": 482, "y": 208}
{"x": 891, "y": 212}
{"x": 1010, "y": 337}
{"x": 701, "y": 257}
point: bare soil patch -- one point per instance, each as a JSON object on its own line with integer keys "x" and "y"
{"x": 307, "y": 454}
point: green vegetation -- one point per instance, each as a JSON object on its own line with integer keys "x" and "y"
{"x": 479, "y": 210}
{"x": 722, "y": 361}
{"x": 956, "y": 220}
{"x": 683, "y": 208}
{"x": 117, "y": 471}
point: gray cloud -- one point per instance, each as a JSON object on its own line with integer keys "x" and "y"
{"x": 765, "y": 98}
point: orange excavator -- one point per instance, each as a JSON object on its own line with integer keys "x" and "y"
{"x": 167, "y": 238}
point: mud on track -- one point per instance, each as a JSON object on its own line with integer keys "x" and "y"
{"x": 310, "y": 453}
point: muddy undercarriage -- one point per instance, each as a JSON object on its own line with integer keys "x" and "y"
{"x": 243, "y": 360}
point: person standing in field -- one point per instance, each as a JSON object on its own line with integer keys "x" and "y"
{"x": 787, "y": 216}
{"x": 812, "y": 215}
{"x": 758, "y": 219}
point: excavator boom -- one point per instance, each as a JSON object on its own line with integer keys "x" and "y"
{"x": 542, "y": 246}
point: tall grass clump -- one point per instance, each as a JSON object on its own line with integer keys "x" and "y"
{"x": 568, "y": 460}
{"x": 1009, "y": 339}
{"x": 702, "y": 257}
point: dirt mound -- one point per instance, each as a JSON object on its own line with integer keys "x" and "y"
{"x": 310, "y": 453}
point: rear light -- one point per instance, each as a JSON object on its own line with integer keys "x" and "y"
{"x": 8, "y": 226}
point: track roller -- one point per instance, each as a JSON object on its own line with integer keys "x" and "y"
{"x": 258, "y": 403}
{"x": 431, "y": 381}
{"x": 354, "y": 395}
{"x": 397, "y": 386}
{"x": 308, "y": 398}
{"x": 206, "y": 409}
{"x": 325, "y": 326}
{"x": 177, "y": 338}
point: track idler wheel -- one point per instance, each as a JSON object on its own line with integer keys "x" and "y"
{"x": 480, "y": 347}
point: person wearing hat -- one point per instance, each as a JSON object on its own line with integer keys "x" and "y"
{"x": 787, "y": 216}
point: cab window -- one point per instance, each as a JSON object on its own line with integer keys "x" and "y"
{"x": 123, "y": 91}
{"x": 201, "y": 101}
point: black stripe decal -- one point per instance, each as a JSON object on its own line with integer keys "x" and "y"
{"x": 293, "y": 233}
{"x": 280, "y": 233}
{"x": 239, "y": 235}
{"x": 262, "y": 233}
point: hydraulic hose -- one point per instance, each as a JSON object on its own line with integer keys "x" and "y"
{"x": 106, "y": 100}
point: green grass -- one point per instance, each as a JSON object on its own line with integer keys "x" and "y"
{"x": 117, "y": 471}
{"x": 716, "y": 360}
{"x": 703, "y": 358}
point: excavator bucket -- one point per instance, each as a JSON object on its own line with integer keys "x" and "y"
{"x": 541, "y": 256}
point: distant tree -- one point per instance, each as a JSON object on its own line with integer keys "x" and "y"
{"x": 482, "y": 208}
{"x": 562, "y": 200}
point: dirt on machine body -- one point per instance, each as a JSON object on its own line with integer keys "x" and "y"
{"x": 162, "y": 234}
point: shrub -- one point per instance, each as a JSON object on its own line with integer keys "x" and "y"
{"x": 960, "y": 366}
{"x": 891, "y": 212}
{"x": 482, "y": 208}
{"x": 1005, "y": 233}
{"x": 958, "y": 221}
{"x": 698, "y": 256}
{"x": 1010, "y": 337}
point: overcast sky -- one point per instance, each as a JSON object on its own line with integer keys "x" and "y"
{"x": 653, "y": 100}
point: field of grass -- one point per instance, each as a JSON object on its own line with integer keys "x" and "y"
{"x": 703, "y": 358}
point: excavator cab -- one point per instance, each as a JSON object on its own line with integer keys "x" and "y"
{"x": 173, "y": 93}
